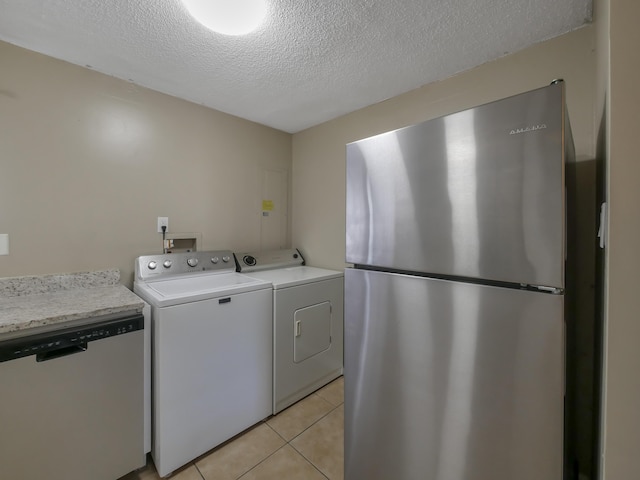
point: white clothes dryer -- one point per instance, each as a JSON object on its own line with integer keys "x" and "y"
{"x": 308, "y": 319}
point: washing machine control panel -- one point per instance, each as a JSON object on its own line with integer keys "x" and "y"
{"x": 192, "y": 262}
{"x": 251, "y": 262}
{"x": 163, "y": 265}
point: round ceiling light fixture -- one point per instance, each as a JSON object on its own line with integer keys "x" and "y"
{"x": 229, "y": 17}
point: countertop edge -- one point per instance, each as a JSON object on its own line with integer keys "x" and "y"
{"x": 23, "y": 312}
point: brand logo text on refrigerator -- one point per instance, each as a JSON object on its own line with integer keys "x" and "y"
{"x": 531, "y": 128}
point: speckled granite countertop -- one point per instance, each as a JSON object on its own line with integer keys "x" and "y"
{"x": 37, "y": 301}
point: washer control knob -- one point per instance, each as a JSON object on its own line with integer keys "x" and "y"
{"x": 215, "y": 259}
{"x": 192, "y": 262}
{"x": 152, "y": 265}
{"x": 167, "y": 263}
{"x": 249, "y": 260}
{"x": 226, "y": 258}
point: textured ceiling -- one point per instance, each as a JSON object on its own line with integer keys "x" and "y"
{"x": 310, "y": 61}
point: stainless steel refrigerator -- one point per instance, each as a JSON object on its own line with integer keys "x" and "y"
{"x": 454, "y": 306}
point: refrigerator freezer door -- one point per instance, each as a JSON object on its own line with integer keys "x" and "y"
{"x": 478, "y": 194}
{"x": 451, "y": 381}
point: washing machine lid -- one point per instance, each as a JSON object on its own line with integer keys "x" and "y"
{"x": 293, "y": 276}
{"x": 180, "y": 290}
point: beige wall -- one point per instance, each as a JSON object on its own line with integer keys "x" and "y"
{"x": 319, "y": 152}
{"x": 88, "y": 163}
{"x": 622, "y": 361}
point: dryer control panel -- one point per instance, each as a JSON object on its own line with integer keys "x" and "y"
{"x": 255, "y": 261}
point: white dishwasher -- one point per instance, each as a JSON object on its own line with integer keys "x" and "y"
{"x": 212, "y": 352}
{"x": 71, "y": 406}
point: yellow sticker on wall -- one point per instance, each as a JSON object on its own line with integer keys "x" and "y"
{"x": 267, "y": 205}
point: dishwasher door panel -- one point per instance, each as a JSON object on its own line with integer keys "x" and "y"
{"x": 50, "y": 412}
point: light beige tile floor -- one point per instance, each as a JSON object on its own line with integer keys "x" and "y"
{"x": 303, "y": 442}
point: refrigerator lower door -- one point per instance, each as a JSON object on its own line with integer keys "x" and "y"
{"x": 451, "y": 381}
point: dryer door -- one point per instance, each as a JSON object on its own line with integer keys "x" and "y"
{"x": 312, "y": 331}
{"x": 308, "y": 339}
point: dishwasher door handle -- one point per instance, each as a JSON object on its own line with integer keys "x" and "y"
{"x": 61, "y": 352}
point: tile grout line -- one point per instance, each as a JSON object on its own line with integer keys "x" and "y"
{"x": 265, "y": 458}
{"x": 280, "y": 448}
{"x": 302, "y": 454}
{"x": 307, "y": 428}
{"x": 288, "y": 443}
{"x": 198, "y": 470}
{"x": 276, "y": 451}
{"x": 312, "y": 464}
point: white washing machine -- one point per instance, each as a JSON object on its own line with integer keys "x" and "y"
{"x": 307, "y": 322}
{"x": 212, "y": 352}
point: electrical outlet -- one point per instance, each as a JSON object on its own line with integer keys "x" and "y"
{"x": 163, "y": 222}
